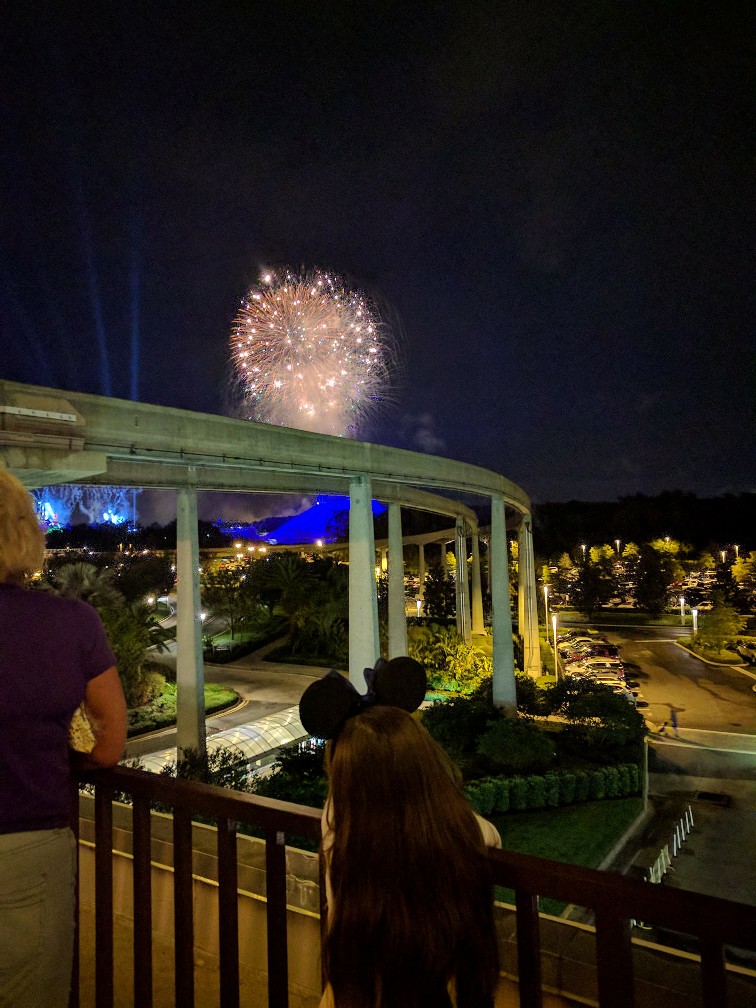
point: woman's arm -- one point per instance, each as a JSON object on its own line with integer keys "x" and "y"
{"x": 106, "y": 706}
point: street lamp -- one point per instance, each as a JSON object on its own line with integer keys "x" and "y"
{"x": 546, "y": 604}
{"x": 556, "y": 653}
{"x": 723, "y": 554}
{"x": 682, "y": 611}
{"x": 737, "y": 550}
{"x": 618, "y": 546}
{"x": 694, "y": 614}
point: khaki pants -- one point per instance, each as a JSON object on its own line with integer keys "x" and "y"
{"x": 37, "y": 875}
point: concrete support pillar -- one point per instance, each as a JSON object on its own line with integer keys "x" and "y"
{"x": 527, "y": 600}
{"x": 504, "y": 695}
{"x": 190, "y": 680}
{"x": 421, "y": 571}
{"x": 364, "y": 645}
{"x": 397, "y": 610}
{"x": 462, "y": 589}
{"x": 478, "y": 626}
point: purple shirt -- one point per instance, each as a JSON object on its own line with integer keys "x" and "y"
{"x": 50, "y": 648}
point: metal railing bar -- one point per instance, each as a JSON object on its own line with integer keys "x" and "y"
{"x": 676, "y": 909}
{"x": 713, "y": 975}
{"x": 183, "y": 908}
{"x": 275, "y": 891}
{"x": 528, "y": 951}
{"x": 614, "y": 962}
{"x": 228, "y": 914}
{"x": 142, "y": 888}
{"x": 73, "y": 997}
{"x": 104, "y": 894}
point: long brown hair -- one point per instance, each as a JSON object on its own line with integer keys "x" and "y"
{"x": 413, "y": 902}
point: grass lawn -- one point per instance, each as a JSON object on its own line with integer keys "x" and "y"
{"x": 162, "y": 711}
{"x": 577, "y": 834}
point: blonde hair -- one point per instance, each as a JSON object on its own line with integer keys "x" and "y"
{"x": 22, "y": 541}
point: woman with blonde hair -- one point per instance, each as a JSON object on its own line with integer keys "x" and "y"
{"x": 409, "y": 894}
{"x": 54, "y": 655}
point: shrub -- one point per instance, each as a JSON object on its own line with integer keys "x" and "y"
{"x": 552, "y": 789}
{"x": 528, "y": 695}
{"x": 596, "y": 784}
{"x": 516, "y": 745}
{"x": 298, "y": 777}
{"x": 457, "y": 724}
{"x": 623, "y": 772}
{"x": 518, "y": 794}
{"x": 611, "y": 782}
{"x": 501, "y": 801}
{"x": 483, "y": 796}
{"x": 536, "y": 792}
{"x": 567, "y": 783}
{"x": 634, "y": 773}
{"x": 581, "y": 786}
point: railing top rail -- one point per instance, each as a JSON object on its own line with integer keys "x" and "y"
{"x": 209, "y": 800}
{"x": 612, "y": 894}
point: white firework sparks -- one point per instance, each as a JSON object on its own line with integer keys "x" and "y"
{"x": 308, "y": 353}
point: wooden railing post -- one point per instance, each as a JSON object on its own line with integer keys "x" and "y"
{"x": 104, "y": 891}
{"x": 142, "y": 889}
{"x": 275, "y": 891}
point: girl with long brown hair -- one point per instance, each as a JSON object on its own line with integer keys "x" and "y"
{"x": 410, "y": 901}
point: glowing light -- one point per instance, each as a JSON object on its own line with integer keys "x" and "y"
{"x": 308, "y": 353}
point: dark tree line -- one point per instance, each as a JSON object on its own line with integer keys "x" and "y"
{"x": 701, "y": 522}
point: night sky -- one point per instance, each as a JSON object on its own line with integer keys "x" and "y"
{"x": 549, "y": 200}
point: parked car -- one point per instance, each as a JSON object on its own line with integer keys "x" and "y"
{"x": 597, "y": 650}
{"x": 569, "y": 645}
{"x": 596, "y": 665}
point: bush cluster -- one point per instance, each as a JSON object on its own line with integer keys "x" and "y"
{"x": 495, "y": 795}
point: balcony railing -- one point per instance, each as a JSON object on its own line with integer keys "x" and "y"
{"x": 615, "y": 901}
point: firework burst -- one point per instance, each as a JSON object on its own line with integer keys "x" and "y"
{"x": 308, "y": 353}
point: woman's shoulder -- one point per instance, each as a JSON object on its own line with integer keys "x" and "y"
{"x": 70, "y": 612}
{"x": 491, "y": 836}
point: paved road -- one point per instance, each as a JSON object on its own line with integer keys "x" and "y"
{"x": 265, "y": 688}
{"x": 713, "y": 697}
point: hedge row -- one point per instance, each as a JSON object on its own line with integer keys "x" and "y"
{"x": 492, "y": 795}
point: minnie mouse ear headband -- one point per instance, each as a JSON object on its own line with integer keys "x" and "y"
{"x": 327, "y": 703}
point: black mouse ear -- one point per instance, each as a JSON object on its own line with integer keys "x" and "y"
{"x": 400, "y": 682}
{"x": 326, "y": 704}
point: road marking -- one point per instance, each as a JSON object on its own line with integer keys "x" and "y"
{"x": 655, "y": 640}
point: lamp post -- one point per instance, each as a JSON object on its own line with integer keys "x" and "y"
{"x": 723, "y": 554}
{"x": 546, "y": 606}
{"x": 682, "y": 611}
{"x": 583, "y": 547}
{"x": 617, "y": 541}
{"x": 694, "y": 614}
{"x": 556, "y": 653}
{"x": 737, "y": 551}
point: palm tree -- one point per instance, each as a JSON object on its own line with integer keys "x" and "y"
{"x": 96, "y": 585}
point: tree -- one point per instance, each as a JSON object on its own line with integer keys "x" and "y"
{"x": 225, "y": 595}
{"x": 591, "y": 589}
{"x": 95, "y": 585}
{"x": 129, "y": 632}
{"x": 439, "y": 594}
{"x": 655, "y": 575}
{"x": 720, "y": 626}
{"x": 140, "y": 576}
